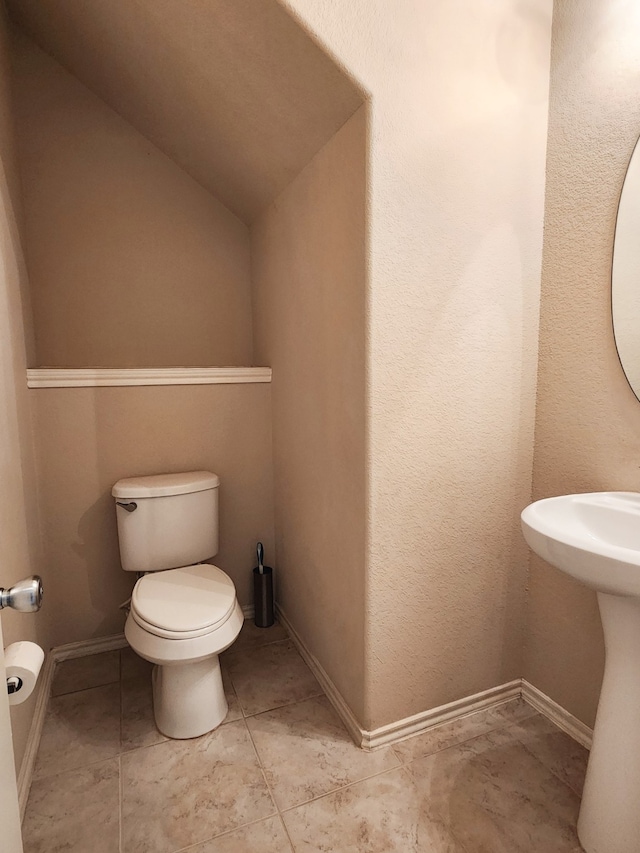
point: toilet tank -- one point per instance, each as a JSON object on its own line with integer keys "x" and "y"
{"x": 167, "y": 521}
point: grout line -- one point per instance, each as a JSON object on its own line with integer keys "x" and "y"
{"x": 230, "y": 653}
{"x": 286, "y": 831}
{"x": 275, "y": 813}
{"x": 120, "y": 798}
{"x": 546, "y": 766}
{"x": 278, "y": 707}
{"x": 262, "y": 770}
{"x": 225, "y": 833}
{"x": 150, "y": 745}
{"x": 76, "y": 769}
{"x": 342, "y": 788}
{"x": 120, "y": 689}
{"x": 84, "y": 689}
{"x": 269, "y": 788}
{"x": 500, "y": 726}
{"x": 405, "y": 763}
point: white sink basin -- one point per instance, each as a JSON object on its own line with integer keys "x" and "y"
{"x": 595, "y": 538}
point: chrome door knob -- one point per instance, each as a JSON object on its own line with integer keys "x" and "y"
{"x": 25, "y": 595}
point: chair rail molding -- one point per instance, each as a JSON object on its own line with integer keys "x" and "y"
{"x": 100, "y": 377}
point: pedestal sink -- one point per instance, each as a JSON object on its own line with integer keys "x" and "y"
{"x": 595, "y": 538}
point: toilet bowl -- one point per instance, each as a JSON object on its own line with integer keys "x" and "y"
{"x": 184, "y": 611}
{"x": 181, "y": 620}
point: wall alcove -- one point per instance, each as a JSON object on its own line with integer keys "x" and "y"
{"x": 194, "y": 183}
{"x": 151, "y": 137}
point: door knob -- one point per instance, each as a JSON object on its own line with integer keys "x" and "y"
{"x": 26, "y": 595}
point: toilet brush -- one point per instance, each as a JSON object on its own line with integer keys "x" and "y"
{"x": 263, "y": 591}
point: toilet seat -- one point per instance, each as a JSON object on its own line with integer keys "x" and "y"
{"x": 168, "y": 651}
{"x": 183, "y": 603}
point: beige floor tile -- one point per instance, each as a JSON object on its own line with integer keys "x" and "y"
{"x": 270, "y": 676}
{"x": 306, "y": 752}
{"x": 85, "y": 672}
{"x": 132, "y": 666}
{"x": 235, "y": 711}
{"x": 75, "y": 812}
{"x": 498, "y": 798}
{"x": 250, "y": 637}
{"x": 138, "y": 726}
{"x": 180, "y": 793}
{"x": 80, "y": 728}
{"x": 384, "y": 814}
{"x": 555, "y": 749}
{"x": 512, "y": 712}
{"x": 446, "y": 735}
{"x": 267, "y": 836}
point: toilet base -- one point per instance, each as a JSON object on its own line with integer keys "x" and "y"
{"x": 188, "y": 699}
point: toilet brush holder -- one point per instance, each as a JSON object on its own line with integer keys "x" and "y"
{"x": 263, "y": 596}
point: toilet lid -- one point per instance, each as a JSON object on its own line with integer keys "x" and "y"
{"x": 184, "y": 600}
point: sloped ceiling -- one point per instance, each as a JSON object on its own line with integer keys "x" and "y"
{"x": 234, "y": 91}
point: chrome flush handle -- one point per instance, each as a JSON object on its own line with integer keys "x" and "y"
{"x": 25, "y": 595}
{"x": 129, "y": 507}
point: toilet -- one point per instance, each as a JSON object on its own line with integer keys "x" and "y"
{"x": 184, "y": 611}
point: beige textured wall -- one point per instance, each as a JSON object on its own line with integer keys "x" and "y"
{"x": 457, "y": 152}
{"x": 21, "y": 555}
{"x": 588, "y": 420}
{"x": 308, "y": 263}
{"x": 232, "y": 90}
{"x": 131, "y": 262}
{"x": 87, "y": 438}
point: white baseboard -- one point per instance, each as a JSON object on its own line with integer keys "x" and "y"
{"x": 369, "y": 740}
{"x": 422, "y": 722}
{"x": 425, "y": 720}
{"x": 569, "y": 724}
{"x": 89, "y": 647}
{"x": 43, "y": 691}
{"x": 333, "y": 694}
{"x": 45, "y": 683}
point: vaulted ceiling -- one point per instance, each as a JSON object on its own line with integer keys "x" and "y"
{"x": 234, "y": 91}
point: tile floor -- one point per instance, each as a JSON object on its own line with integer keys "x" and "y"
{"x": 282, "y": 775}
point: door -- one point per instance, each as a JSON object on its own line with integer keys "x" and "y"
{"x": 10, "y": 836}
{"x": 13, "y": 535}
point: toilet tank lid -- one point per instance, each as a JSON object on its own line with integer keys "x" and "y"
{"x": 161, "y": 485}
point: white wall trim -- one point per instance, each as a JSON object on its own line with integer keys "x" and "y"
{"x": 333, "y": 694}
{"x": 569, "y": 724}
{"x": 89, "y": 647}
{"x": 45, "y": 683}
{"x": 98, "y": 377}
{"x": 422, "y": 722}
{"x": 425, "y": 720}
{"x": 400, "y": 729}
{"x": 43, "y": 693}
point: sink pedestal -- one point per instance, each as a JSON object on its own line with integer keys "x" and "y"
{"x": 610, "y": 813}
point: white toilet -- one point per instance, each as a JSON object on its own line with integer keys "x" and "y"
{"x": 184, "y": 612}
